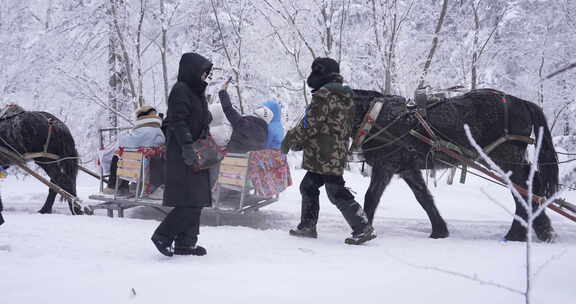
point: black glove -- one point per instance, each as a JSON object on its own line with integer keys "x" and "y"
{"x": 224, "y": 97}
{"x": 188, "y": 154}
{"x": 285, "y": 147}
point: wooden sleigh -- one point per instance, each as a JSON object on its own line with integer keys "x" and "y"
{"x": 237, "y": 174}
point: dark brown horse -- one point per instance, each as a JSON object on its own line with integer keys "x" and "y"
{"x": 490, "y": 115}
{"x": 23, "y": 132}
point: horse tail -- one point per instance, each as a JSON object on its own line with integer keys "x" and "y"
{"x": 70, "y": 166}
{"x": 547, "y": 159}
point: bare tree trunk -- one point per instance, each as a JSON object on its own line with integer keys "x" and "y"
{"x": 345, "y": 11}
{"x": 236, "y": 71}
{"x": 377, "y": 34}
{"x": 125, "y": 57}
{"x": 434, "y": 46}
{"x": 474, "y": 71}
{"x": 326, "y": 23}
{"x": 117, "y": 82}
{"x": 391, "y": 31}
{"x": 391, "y": 50}
{"x": 48, "y": 21}
{"x": 478, "y": 50}
{"x": 140, "y": 75}
{"x": 541, "y": 76}
{"x": 163, "y": 48}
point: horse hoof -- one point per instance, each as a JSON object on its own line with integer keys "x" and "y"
{"x": 440, "y": 235}
{"x": 515, "y": 237}
{"x": 88, "y": 211}
{"x": 547, "y": 235}
{"x": 43, "y": 211}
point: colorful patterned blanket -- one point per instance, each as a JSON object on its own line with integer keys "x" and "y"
{"x": 269, "y": 172}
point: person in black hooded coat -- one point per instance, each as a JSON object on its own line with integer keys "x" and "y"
{"x": 187, "y": 191}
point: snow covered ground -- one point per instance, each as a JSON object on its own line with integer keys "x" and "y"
{"x": 251, "y": 259}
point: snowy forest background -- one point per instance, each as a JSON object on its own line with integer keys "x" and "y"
{"x": 93, "y": 62}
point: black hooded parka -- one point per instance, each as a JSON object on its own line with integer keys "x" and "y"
{"x": 186, "y": 120}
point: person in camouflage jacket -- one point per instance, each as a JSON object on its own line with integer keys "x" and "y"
{"x": 325, "y": 130}
{"x": 323, "y": 135}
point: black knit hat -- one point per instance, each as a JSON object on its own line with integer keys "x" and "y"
{"x": 325, "y": 66}
{"x": 324, "y": 70}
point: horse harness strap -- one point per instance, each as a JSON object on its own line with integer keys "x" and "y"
{"x": 441, "y": 145}
{"x": 50, "y": 129}
{"x": 367, "y": 123}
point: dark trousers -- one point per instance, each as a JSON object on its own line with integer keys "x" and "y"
{"x": 112, "y": 178}
{"x": 181, "y": 225}
{"x": 156, "y": 173}
{"x": 338, "y": 194}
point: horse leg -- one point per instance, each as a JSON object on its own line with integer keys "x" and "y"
{"x": 62, "y": 180}
{"x": 418, "y": 186}
{"x": 47, "y": 207}
{"x": 541, "y": 223}
{"x": 380, "y": 178}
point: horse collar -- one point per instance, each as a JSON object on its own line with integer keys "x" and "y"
{"x": 367, "y": 124}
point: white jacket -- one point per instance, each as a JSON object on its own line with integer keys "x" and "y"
{"x": 146, "y": 133}
{"x": 220, "y": 128}
{"x": 143, "y": 135}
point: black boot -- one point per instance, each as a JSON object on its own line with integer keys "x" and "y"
{"x": 308, "y": 232}
{"x": 362, "y": 236}
{"x": 185, "y": 242}
{"x": 193, "y": 250}
{"x": 163, "y": 244}
{"x": 1, "y": 219}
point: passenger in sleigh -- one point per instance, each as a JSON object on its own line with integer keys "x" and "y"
{"x": 146, "y": 133}
{"x": 258, "y": 131}
{"x": 249, "y": 132}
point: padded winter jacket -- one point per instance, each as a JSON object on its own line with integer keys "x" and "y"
{"x": 324, "y": 132}
{"x": 249, "y": 133}
{"x": 146, "y": 133}
{"x": 275, "y": 128}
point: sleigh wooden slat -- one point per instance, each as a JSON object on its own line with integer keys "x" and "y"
{"x": 233, "y": 169}
{"x": 131, "y": 155}
{"x": 231, "y": 181}
{"x": 129, "y": 164}
{"x": 235, "y": 160}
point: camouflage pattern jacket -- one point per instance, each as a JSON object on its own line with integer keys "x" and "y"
{"x": 324, "y": 132}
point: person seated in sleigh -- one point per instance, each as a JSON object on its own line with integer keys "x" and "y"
{"x": 147, "y": 137}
